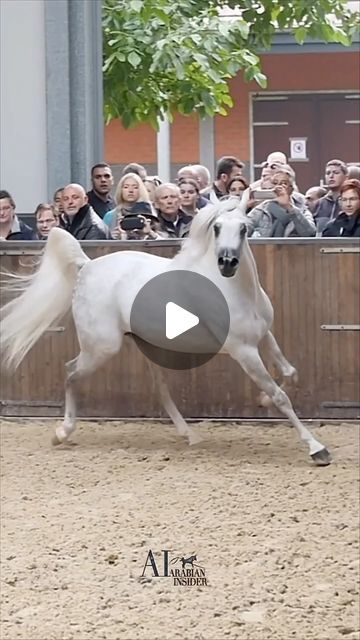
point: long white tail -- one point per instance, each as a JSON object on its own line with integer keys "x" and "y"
{"x": 45, "y": 298}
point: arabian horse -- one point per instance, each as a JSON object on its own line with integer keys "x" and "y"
{"x": 101, "y": 293}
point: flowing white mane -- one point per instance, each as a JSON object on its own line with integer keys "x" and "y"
{"x": 201, "y": 229}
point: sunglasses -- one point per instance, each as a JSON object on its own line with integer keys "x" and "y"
{"x": 273, "y": 166}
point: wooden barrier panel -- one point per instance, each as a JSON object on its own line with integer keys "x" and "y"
{"x": 314, "y": 287}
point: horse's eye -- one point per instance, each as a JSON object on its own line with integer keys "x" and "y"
{"x": 243, "y": 229}
{"x": 216, "y": 229}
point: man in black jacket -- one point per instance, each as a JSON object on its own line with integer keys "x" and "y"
{"x": 102, "y": 181}
{"x": 11, "y": 227}
{"x": 78, "y": 217}
{"x": 329, "y": 206}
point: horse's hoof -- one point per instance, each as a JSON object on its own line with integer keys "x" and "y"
{"x": 55, "y": 441}
{"x": 321, "y": 458}
{"x": 194, "y": 438}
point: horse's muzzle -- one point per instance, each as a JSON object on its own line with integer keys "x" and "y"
{"x": 228, "y": 265}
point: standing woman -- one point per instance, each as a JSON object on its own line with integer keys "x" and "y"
{"x": 189, "y": 193}
{"x": 132, "y": 199}
{"x": 237, "y": 186}
{"x": 347, "y": 223}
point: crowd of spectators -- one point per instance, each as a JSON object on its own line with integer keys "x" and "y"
{"x": 143, "y": 207}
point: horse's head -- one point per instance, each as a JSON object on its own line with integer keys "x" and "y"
{"x": 229, "y": 229}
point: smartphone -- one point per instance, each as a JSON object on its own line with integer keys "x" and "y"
{"x": 129, "y": 223}
{"x": 264, "y": 194}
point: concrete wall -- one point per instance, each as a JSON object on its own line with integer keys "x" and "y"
{"x": 23, "y": 166}
{"x": 51, "y": 96}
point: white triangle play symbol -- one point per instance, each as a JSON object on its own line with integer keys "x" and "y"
{"x": 178, "y": 320}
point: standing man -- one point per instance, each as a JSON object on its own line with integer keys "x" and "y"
{"x": 329, "y": 206}
{"x": 227, "y": 168}
{"x": 174, "y": 222}
{"x": 79, "y": 218}
{"x": 99, "y": 197}
{"x": 312, "y": 197}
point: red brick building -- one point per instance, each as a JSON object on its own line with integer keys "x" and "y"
{"x": 312, "y": 98}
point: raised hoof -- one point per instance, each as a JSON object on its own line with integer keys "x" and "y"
{"x": 321, "y": 458}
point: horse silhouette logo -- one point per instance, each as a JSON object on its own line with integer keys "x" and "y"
{"x": 191, "y": 560}
{"x": 189, "y": 573}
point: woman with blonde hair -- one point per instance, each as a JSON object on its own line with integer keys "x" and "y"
{"x": 134, "y": 216}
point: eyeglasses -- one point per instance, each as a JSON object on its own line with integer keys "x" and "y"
{"x": 349, "y": 200}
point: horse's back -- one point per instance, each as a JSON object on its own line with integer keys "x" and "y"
{"x": 109, "y": 284}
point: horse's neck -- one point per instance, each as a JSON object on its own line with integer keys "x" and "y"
{"x": 247, "y": 275}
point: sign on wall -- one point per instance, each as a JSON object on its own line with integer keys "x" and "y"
{"x": 298, "y": 150}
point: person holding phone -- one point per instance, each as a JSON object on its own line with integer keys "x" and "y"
{"x": 282, "y": 216}
{"x": 134, "y": 217}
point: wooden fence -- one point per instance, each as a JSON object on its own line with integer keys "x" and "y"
{"x": 314, "y": 287}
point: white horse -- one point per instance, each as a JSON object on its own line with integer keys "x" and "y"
{"x": 102, "y": 292}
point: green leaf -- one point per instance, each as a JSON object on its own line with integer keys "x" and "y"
{"x": 134, "y": 59}
{"x": 163, "y": 56}
{"x": 136, "y": 5}
{"x": 261, "y": 79}
{"x": 300, "y": 34}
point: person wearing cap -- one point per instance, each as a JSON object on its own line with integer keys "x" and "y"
{"x": 282, "y": 216}
{"x": 132, "y": 200}
{"x": 227, "y": 168}
{"x": 329, "y": 206}
{"x": 272, "y": 163}
{"x": 275, "y": 161}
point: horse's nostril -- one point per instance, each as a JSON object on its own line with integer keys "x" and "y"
{"x": 234, "y": 262}
{"x": 221, "y": 261}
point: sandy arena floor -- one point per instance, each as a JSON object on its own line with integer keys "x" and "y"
{"x": 277, "y": 537}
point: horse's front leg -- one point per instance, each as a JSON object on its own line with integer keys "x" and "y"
{"x": 277, "y": 357}
{"x": 171, "y": 409}
{"x": 249, "y": 359}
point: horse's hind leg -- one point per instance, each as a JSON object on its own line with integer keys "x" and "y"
{"x": 288, "y": 372}
{"x": 249, "y": 358}
{"x": 86, "y": 363}
{"x": 69, "y": 422}
{"x": 171, "y": 409}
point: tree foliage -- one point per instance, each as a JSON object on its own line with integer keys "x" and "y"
{"x": 162, "y": 56}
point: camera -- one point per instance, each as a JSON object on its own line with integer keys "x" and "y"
{"x": 129, "y": 223}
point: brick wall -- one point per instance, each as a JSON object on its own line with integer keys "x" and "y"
{"x": 292, "y": 72}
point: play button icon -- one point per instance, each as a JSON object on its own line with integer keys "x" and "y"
{"x": 179, "y": 319}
